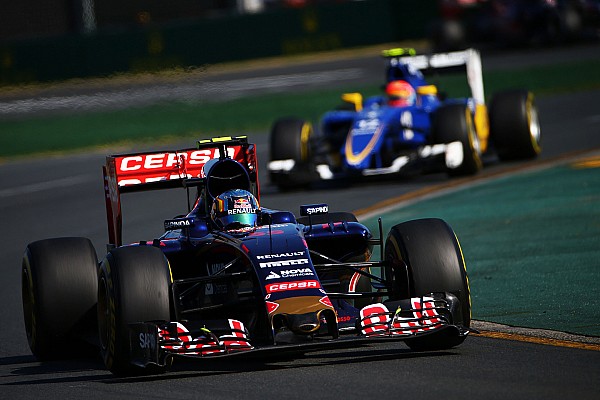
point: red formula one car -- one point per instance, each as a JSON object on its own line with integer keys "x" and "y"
{"x": 230, "y": 277}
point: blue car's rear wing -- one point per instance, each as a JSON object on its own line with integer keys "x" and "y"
{"x": 125, "y": 173}
{"x": 469, "y": 58}
{"x": 408, "y": 61}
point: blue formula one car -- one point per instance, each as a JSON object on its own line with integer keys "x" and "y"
{"x": 231, "y": 278}
{"x": 411, "y": 128}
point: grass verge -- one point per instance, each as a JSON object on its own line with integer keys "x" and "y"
{"x": 58, "y": 133}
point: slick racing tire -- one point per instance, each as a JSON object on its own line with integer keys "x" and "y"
{"x": 514, "y": 125}
{"x": 427, "y": 258}
{"x": 58, "y": 287}
{"x": 133, "y": 286}
{"x": 454, "y": 123}
{"x": 289, "y": 140}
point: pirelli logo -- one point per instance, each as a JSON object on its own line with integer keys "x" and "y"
{"x": 284, "y": 263}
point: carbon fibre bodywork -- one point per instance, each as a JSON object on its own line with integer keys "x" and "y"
{"x": 287, "y": 284}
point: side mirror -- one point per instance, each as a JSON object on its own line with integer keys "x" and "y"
{"x": 355, "y": 99}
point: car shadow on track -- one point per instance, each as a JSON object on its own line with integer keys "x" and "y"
{"x": 215, "y": 367}
{"x": 29, "y": 371}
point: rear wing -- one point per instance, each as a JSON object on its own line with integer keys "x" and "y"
{"x": 469, "y": 58}
{"x": 136, "y": 172}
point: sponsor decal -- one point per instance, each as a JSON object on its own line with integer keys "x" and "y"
{"x": 245, "y": 210}
{"x": 272, "y": 275}
{"x": 345, "y": 318}
{"x": 147, "y": 341}
{"x": 172, "y": 224}
{"x": 155, "y": 161}
{"x": 314, "y": 209}
{"x": 365, "y": 127}
{"x": 284, "y": 263}
{"x": 145, "y": 168}
{"x": 290, "y": 273}
{"x": 294, "y": 285}
{"x": 280, "y": 255}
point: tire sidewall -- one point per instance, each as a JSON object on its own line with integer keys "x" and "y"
{"x": 514, "y": 125}
{"x": 434, "y": 260}
{"x": 133, "y": 286}
{"x": 454, "y": 123}
{"x": 58, "y": 286}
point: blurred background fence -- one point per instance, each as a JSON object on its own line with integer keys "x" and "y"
{"x": 63, "y": 39}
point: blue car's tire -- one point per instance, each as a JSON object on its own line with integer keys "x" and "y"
{"x": 133, "y": 286}
{"x": 514, "y": 125}
{"x": 59, "y": 286}
{"x": 454, "y": 123}
{"x": 427, "y": 257}
{"x": 290, "y": 140}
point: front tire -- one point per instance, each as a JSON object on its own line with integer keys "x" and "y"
{"x": 429, "y": 259}
{"x": 290, "y": 140}
{"x": 58, "y": 287}
{"x": 133, "y": 286}
{"x": 454, "y": 124}
{"x": 514, "y": 125}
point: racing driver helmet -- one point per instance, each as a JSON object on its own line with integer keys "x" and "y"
{"x": 400, "y": 94}
{"x": 235, "y": 210}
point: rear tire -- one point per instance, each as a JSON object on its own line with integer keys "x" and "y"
{"x": 133, "y": 286}
{"x": 514, "y": 125}
{"x": 454, "y": 123}
{"x": 58, "y": 286}
{"x": 434, "y": 261}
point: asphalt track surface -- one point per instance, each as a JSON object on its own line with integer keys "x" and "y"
{"x": 63, "y": 196}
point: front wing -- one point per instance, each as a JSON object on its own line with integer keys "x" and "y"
{"x": 157, "y": 342}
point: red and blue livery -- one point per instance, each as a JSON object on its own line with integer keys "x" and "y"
{"x": 231, "y": 277}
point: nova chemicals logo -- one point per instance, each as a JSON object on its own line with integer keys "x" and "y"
{"x": 272, "y": 275}
{"x": 290, "y": 273}
{"x": 284, "y": 263}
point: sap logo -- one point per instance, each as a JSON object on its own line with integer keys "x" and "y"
{"x": 147, "y": 341}
{"x": 317, "y": 210}
{"x": 314, "y": 209}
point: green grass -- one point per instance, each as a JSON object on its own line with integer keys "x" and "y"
{"x": 251, "y": 115}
